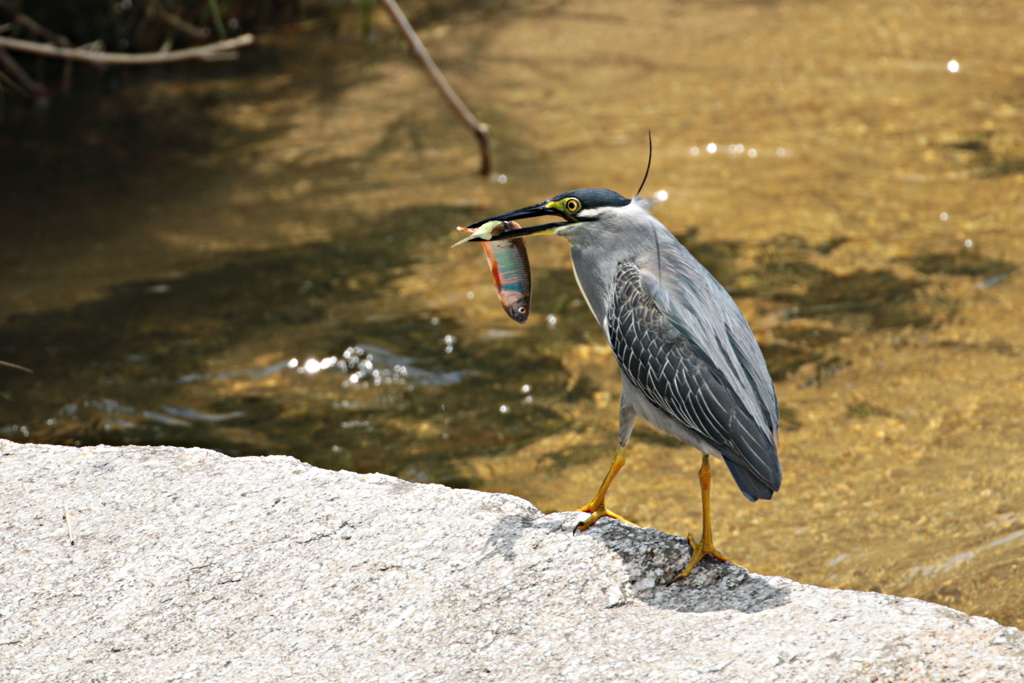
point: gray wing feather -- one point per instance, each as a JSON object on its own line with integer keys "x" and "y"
{"x": 698, "y": 373}
{"x": 699, "y": 307}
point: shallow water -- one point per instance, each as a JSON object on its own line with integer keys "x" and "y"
{"x": 255, "y": 258}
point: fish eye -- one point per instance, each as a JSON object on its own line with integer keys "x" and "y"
{"x": 521, "y": 309}
{"x": 572, "y": 205}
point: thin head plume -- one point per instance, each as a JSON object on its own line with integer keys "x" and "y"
{"x": 650, "y": 155}
{"x": 654, "y": 233}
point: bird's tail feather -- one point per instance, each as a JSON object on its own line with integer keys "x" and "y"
{"x": 752, "y": 487}
{"x": 753, "y": 460}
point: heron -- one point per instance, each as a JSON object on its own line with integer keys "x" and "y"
{"x": 689, "y": 361}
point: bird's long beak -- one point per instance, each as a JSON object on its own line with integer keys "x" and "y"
{"x": 542, "y": 209}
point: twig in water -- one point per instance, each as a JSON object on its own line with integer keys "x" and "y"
{"x": 15, "y": 366}
{"x": 420, "y": 52}
{"x": 222, "y": 49}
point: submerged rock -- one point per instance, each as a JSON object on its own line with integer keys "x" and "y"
{"x": 186, "y": 563}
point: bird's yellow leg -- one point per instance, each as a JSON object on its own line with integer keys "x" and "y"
{"x": 706, "y": 546}
{"x": 596, "y": 506}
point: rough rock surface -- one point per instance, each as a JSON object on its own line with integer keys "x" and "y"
{"x": 188, "y": 564}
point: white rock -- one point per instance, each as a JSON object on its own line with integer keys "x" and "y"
{"x": 191, "y": 564}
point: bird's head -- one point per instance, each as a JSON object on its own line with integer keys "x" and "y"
{"x": 578, "y": 209}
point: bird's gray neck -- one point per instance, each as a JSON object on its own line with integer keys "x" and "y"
{"x": 598, "y": 250}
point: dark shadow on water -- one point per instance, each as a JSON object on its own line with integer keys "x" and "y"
{"x": 206, "y": 360}
{"x": 967, "y": 262}
{"x": 218, "y": 357}
{"x": 818, "y": 308}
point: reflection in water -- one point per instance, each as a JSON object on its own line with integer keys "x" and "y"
{"x": 257, "y": 261}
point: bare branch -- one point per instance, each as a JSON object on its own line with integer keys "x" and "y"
{"x": 7, "y": 81}
{"x": 220, "y": 50}
{"x": 420, "y": 52}
{"x": 19, "y": 74}
{"x": 15, "y": 366}
{"x": 43, "y": 32}
{"x": 157, "y": 9}
{"x": 33, "y": 25}
{"x": 218, "y": 22}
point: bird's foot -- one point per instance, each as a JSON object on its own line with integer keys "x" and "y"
{"x": 699, "y": 551}
{"x": 596, "y": 513}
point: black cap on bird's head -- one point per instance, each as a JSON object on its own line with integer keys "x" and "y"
{"x": 576, "y": 206}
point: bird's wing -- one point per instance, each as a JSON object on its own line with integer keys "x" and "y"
{"x": 672, "y": 365}
{"x": 699, "y": 307}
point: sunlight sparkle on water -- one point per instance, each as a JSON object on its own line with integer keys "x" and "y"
{"x": 661, "y": 195}
{"x": 313, "y": 366}
{"x": 953, "y": 66}
{"x": 359, "y": 366}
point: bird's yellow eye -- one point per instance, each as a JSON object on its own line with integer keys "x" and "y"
{"x": 572, "y": 205}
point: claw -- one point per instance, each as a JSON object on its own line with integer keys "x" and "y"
{"x": 698, "y": 551}
{"x": 597, "y": 513}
